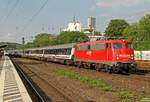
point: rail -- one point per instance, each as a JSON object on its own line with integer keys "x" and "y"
{"x": 41, "y": 97}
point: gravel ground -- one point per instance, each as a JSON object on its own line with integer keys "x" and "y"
{"x": 137, "y": 84}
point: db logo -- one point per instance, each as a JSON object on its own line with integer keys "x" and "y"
{"x": 89, "y": 53}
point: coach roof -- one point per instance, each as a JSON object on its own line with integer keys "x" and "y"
{"x": 60, "y": 46}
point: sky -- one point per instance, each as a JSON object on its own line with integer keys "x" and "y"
{"x": 27, "y": 18}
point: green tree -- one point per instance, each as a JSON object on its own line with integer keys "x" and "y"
{"x": 29, "y": 45}
{"x": 131, "y": 33}
{"x": 116, "y": 27}
{"x": 71, "y": 37}
{"x": 144, "y": 32}
{"x": 43, "y": 39}
{"x": 139, "y": 33}
{"x": 11, "y": 45}
{"x": 97, "y": 33}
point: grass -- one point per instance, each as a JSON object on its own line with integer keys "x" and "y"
{"x": 72, "y": 68}
{"x": 145, "y": 100}
{"x": 125, "y": 95}
{"x": 140, "y": 96}
{"x": 101, "y": 84}
{"x": 148, "y": 92}
{"x": 122, "y": 89}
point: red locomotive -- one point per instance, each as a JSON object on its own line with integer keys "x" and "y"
{"x": 110, "y": 55}
{"x": 107, "y": 55}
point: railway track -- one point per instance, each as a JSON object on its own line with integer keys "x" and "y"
{"x": 61, "y": 95}
{"x": 139, "y": 75}
{"x": 33, "y": 67}
{"x": 37, "y": 95}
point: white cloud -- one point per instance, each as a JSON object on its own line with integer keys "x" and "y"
{"x": 8, "y": 37}
{"x": 119, "y": 3}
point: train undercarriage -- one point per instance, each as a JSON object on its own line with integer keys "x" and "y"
{"x": 110, "y": 68}
{"x": 118, "y": 67}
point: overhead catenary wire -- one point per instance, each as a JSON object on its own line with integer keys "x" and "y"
{"x": 5, "y": 9}
{"x": 34, "y": 15}
{"x": 11, "y": 11}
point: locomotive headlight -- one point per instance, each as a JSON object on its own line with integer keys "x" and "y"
{"x": 117, "y": 56}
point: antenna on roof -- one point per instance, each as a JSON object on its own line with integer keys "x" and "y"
{"x": 74, "y": 19}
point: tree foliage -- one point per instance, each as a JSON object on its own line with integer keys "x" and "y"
{"x": 71, "y": 37}
{"x": 43, "y": 39}
{"x": 10, "y": 45}
{"x": 116, "y": 27}
{"x": 139, "y": 33}
{"x": 97, "y": 33}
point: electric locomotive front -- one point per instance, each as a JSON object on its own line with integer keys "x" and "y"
{"x": 123, "y": 56}
{"x": 109, "y": 55}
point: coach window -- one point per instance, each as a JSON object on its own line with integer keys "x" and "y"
{"x": 52, "y": 51}
{"x": 59, "y": 51}
{"x": 49, "y": 51}
{"x": 62, "y": 51}
{"x": 46, "y": 51}
{"x": 40, "y": 51}
{"x": 69, "y": 51}
{"x": 56, "y": 52}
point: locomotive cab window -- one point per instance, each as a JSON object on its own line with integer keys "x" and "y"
{"x": 129, "y": 45}
{"x": 117, "y": 45}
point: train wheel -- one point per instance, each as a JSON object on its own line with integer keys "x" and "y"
{"x": 109, "y": 69}
{"x": 79, "y": 64}
{"x": 97, "y": 67}
{"x": 86, "y": 66}
{"x": 128, "y": 70}
{"x": 67, "y": 62}
{"x": 116, "y": 69}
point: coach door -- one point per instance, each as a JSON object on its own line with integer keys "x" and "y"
{"x": 108, "y": 52}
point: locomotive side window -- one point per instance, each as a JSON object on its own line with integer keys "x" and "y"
{"x": 117, "y": 45}
{"x": 98, "y": 46}
{"x": 129, "y": 45}
{"x": 82, "y": 47}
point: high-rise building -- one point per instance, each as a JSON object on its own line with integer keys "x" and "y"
{"x": 92, "y": 23}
